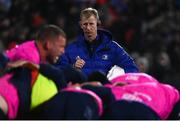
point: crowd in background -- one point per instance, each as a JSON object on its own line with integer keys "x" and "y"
{"x": 147, "y": 29}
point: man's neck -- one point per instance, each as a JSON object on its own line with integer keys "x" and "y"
{"x": 95, "y": 42}
{"x": 42, "y": 51}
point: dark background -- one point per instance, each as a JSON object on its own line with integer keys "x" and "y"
{"x": 147, "y": 29}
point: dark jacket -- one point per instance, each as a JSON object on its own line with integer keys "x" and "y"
{"x": 99, "y": 56}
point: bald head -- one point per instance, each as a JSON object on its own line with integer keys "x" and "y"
{"x": 49, "y": 32}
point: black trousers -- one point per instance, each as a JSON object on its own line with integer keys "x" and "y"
{"x": 67, "y": 105}
{"x": 129, "y": 110}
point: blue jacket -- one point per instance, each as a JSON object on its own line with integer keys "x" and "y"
{"x": 98, "y": 57}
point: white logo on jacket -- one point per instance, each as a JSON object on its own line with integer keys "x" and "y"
{"x": 136, "y": 96}
{"x": 104, "y": 57}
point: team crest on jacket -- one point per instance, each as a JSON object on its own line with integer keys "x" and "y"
{"x": 104, "y": 57}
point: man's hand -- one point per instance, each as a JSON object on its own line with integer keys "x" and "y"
{"x": 22, "y": 63}
{"x": 79, "y": 63}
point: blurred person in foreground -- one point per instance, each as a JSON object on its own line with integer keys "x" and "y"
{"x": 47, "y": 47}
{"x": 94, "y": 49}
{"x": 136, "y": 97}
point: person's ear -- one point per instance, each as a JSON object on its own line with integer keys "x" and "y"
{"x": 80, "y": 24}
{"x": 46, "y": 45}
{"x": 98, "y": 23}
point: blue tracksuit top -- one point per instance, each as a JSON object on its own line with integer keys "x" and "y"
{"x": 98, "y": 57}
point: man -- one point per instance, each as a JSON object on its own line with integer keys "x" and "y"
{"x": 95, "y": 49}
{"x": 37, "y": 87}
{"x": 49, "y": 45}
{"x": 143, "y": 88}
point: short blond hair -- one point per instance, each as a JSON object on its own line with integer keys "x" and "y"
{"x": 88, "y": 12}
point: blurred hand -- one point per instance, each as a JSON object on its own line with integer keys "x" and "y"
{"x": 3, "y": 105}
{"x": 79, "y": 63}
{"x": 22, "y": 63}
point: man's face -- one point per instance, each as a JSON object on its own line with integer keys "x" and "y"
{"x": 89, "y": 26}
{"x": 56, "y": 49}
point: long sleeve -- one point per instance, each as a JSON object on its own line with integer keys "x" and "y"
{"x": 124, "y": 60}
{"x": 53, "y": 73}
